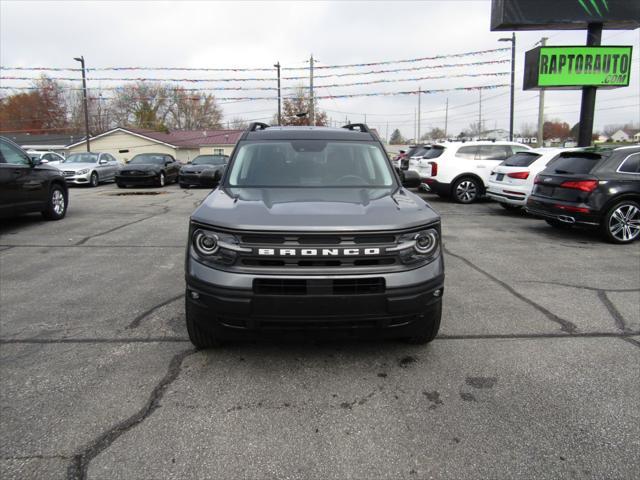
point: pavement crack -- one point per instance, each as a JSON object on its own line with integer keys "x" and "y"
{"x": 87, "y": 238}
{"x": 30, "y": 341}
{"x": 135, "y": 323}
{"x": 613, "y": 311}
{"x": 565, "y": 325}
{"x": 583, "y": 287}
{"x": 35, "y": 457}
{"x": 77, "y": 469}
{"x": 632, "y": 341}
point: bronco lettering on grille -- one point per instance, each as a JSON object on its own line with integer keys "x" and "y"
{"x": 318, "y": 252}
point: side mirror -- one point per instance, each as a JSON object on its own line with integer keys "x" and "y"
{"x": 410, "y": 179}
{"x": 167, "y": 163}
{"x": 44, "y": 160}
{"x": 103, "y": 162}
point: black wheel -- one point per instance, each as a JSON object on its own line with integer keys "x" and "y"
{"x": 621, "y": 224}
{"x": 161, "y": 180}
{"x": 183, "y": 185}
{"x": 511, "y": 208}
{"x": 429, "y": 327}
{"x": 558, "y": 224}
{"x": 199, "y": 337}
{"x": 466, "y": 190}
{"x": 56, "y": 205}
{"x": 120, "y": 185}
{"x": 94, "y": 180}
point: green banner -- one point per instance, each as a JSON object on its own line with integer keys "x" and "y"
{"x": 584, "y": 67}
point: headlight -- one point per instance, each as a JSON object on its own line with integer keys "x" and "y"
{"x": 217, "y": 248}
{"x": 83, "y": 171}
{"x": 422, "y": 246}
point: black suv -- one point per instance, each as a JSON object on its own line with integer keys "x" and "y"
{"x": 594, "y": 188}
{"x": 28, "y": 186}
{"x": 311, "y": 229}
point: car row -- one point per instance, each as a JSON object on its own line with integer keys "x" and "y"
{"x": 590, "y": 187}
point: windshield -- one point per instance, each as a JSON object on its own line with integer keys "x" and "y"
{"x": 209, "y": 160}
{"x": 82, "y": 158}
{"x": 147, "y": 158}
{"x": 310, "y": 163}
{"x": 522, "y": 159}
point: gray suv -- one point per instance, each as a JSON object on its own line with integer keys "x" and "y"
{"x": 312, "y": 230}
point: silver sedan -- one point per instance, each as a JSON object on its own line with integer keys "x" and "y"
{"x": 89, "y": 168}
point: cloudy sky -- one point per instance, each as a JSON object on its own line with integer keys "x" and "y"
{"x": 252, "y": 35}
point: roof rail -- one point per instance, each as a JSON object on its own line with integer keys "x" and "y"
{"x": 360, "y": 126}
{"x": 253, "y": 126}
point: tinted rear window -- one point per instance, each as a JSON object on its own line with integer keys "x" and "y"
{"x": 420, "y": 152}
{"x": 522, "y": 159}
{"x": 574, "y": 163}
{"x": 434, "y": 152}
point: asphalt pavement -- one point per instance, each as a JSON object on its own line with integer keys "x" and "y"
{"x": 535, "y": 374}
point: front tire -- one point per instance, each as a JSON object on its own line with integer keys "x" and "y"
{"x": 56, "y": 205}
{"x": 466, "y": 190}
{"x": 183, "y": 185}
{"x": 621, "y": 223}
{"x": 430, "y": 326}
{"x": 120, "y": 185}
{"x": 161, "y": 180}
{"x": 199, "y": 337}
{"x": 94, "y": 180}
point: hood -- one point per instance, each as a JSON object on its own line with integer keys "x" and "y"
{"x": 74, "y": 167}
{"x": 142, "y": 167}
{"x": 314, "y": 209}
{"x": 199, "y": 168}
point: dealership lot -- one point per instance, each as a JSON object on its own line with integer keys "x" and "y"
{"x": 534, "y": 374}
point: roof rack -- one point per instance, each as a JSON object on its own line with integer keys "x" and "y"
{"x": 253, "y": 126}
{"x": 360, "y": 126}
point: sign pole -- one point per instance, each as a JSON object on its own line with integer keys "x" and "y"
{"x": 588, "y": 105}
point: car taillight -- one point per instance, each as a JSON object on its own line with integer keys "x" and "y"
{"x": 520, "y": 175}
{"x": 569, "y": 208}
{"x": 583, "y": 185}
{"x": 434, "y": 168}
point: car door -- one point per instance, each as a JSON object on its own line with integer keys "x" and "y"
{"x": 172, "y": 167}
{"x": 21, "y": 185}
{"x": 113, "y": 166}
{"x": 103, "y": 168}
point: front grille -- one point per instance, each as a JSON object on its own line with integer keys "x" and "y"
{"x": 69, "y": 173}
{"x": 345, "y": 286}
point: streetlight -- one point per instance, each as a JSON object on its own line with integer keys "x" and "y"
{"x": 513, "y": 72}
{"x": 277, "y": 65}
{"x": 84, "y": 93}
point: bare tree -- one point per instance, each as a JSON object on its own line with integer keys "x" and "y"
{"x": 238, "y": 123}
{"x": 189, "y": 110}
{"x": 528, "y": 129}
{"x": 295, "y": 110}
{"x": 142, "y": 105}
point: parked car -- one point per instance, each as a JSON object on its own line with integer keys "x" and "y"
{"x": 204, "y": 171}
{"x": 26, "y": 185}
{"x": 89, "y": 168}
{"x": 462, "y": 169}
{"x": 511, "y": 182}
{"x": 313, "y": 230}
{"x": 51, "y": 158}
{"x": 415, "y": 151}
{"x": 153, "y": 169}
{"x": 593, "y": 188}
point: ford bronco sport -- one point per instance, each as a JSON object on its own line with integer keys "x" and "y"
{"x": 312, "y": 230}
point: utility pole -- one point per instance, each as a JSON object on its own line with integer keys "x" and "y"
{"x": 84, "y": 94}
{"x": 513, "y": 72}
{"x": 542, "y": 42}
{"x": 588, "y": 105}
{"x": 277, "y": 65}
{"x": 312, "y": 118}
{"x": 365, "y": 118}
{"x": 419, "y": 95}
{"x": 387, "y": 134}
{"x": 415, "y": 126}
{"x": 446, "y": 117}
{"x": 480, "y": 116}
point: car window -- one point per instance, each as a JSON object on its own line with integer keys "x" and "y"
{"x": 519, "y": 148}
{"x": 468, "y": 152}
{"x": 494, "y": 152}
{"x": 631, "y": 164}
{"x": 522, "y": 159}
{"x": 13, "y": 155}
{"x": 48, "y": 157}
{"x": 434, "y": 152}
{"x": 574, "y": 162}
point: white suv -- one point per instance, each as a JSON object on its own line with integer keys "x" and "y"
{"x": 511, "y": 182}
{"x": 463, "y": 169}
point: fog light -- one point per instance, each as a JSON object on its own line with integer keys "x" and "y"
{"x": 437, "y": 293}
{"x": 194, "y": 295}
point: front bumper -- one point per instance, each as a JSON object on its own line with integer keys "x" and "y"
{"x": 78, "y": 179}
{"x": 193, "y": 179}
{"x": 407, "y": 300}
{"x": 561, "y": 211}
{"x": 150, "y": 180}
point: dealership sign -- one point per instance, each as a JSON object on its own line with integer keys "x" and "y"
{"x": 577, "y": 67}
{"x": 564, "y": 14}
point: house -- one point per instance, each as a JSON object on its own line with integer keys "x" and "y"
{"x": 124, "y": 143}
{"x": 620, "y": 136}
{"x": 497, "y": 134}
{"x": 636, "y": 137}
{"x": 49, "y": 141}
